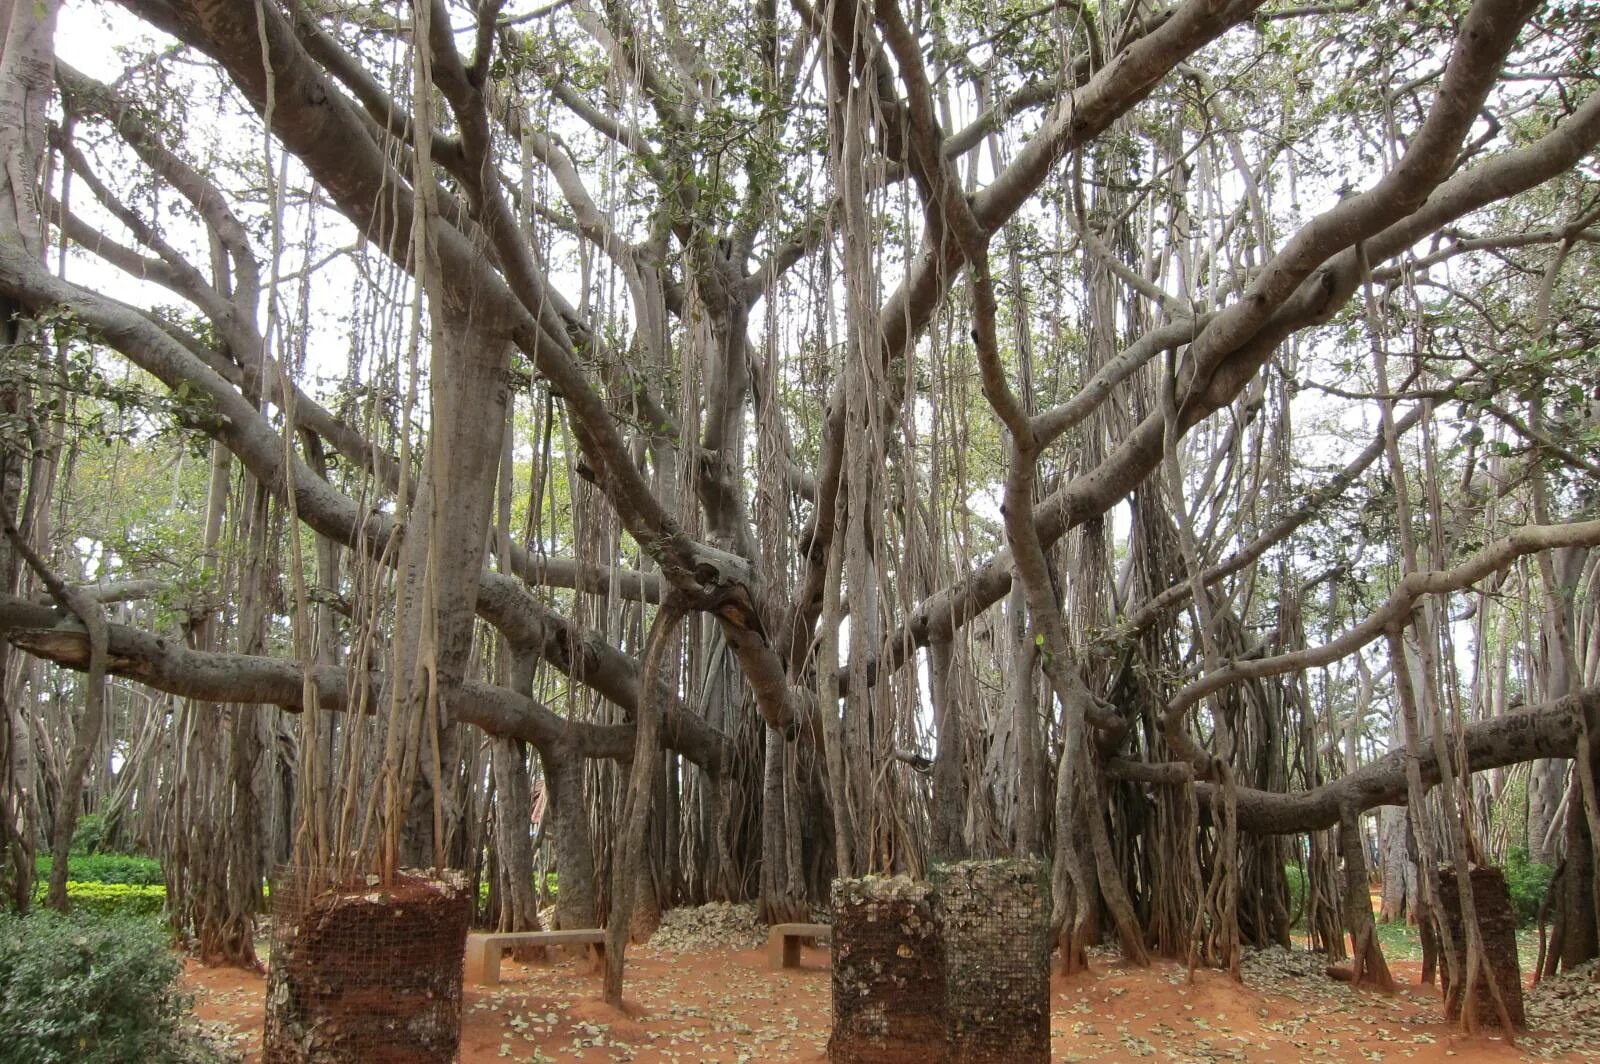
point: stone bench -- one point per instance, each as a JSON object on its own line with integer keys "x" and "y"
{"x": 484, "y": 950}
{"x": 783, "y": 942}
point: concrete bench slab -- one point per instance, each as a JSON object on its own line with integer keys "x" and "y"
{"x": 783, "y": 942}
{"x": 484, "y": 950}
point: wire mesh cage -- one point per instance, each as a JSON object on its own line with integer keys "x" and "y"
{"x": 888, "y": 973}
{"x": 1498, "y": 922}
{"x": 995, "y": 917}
{"x": 365, "y": 972}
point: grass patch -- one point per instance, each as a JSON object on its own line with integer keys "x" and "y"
{"x": 1402, "y": 942}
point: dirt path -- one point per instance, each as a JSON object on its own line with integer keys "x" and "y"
{"x": 729, "y": 1006}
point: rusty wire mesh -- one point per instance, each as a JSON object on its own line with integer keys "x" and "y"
{"x": 365, "y": 973}
{"x": 995, "y": 917}
{"x": 1498, "y": 922}
{"x": 888, "y": 973}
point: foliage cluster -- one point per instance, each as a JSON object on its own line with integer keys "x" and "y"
{"x": 111, "y": 899}
{"x": 1295, "y": 878}
{"x": 90, "y": 834}
{"x": 108, "y": 868}
{"x": 91, "y": 990}
{"x": 549, "y": 887}
{"x": 1528, "y": 882}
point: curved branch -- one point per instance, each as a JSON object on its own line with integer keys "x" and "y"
{"x": 1396, "y": 608}
{"x": 168, "y": 665}
{"x": 1548, "y": 730}
{"x": 1179, "y": 593}
{"x": 1319, "y": 297}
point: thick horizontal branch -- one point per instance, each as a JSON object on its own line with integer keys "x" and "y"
{"x": 635, "y": 585}
{"x": 168, "y": 665}
{"x": 1548, "y": 730}
{"x": 124, "y": 590}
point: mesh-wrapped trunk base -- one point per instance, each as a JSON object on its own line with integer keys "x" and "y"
{"x": 995, "y": 916}
{"x": 1499, "y": 925}
{"x": 888, "y": 973}
{"x": 365, "y": 974}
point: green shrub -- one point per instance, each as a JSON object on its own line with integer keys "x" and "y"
{"x": 116, "y": 899}
{"x": 549, "y": 886}
{"x": 89, "y": 990}
{"x": 1527, "y": 883}
{"x": 89, "y": 833}
{"x": 1295, "y": 877}
{"x": 110, "y": 899}
{"x": 108, "y": 868}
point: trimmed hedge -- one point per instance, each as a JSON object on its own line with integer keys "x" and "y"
{"x": 90, "y": 990}
{"x": 117, "y": 899}
{"x": 111, "y": 899}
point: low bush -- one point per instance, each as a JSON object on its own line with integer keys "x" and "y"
{"x": 1295, "y": 877}
{"x": 116, "y": 899}
{"x": 89, "y": 833}
{"x": 90, "y": 990}
{"x": 110, "y": 899}
{"x": 108, "y": 868}
{"x": 549, "y": 887}
{"x": 1527, "y": 883}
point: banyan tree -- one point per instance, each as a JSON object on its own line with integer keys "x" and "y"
{"x": 700, "y": 452}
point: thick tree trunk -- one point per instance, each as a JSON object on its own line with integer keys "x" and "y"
{"x": 1580, "y": 935}
{"x": 781, "y": 902}
{"x": 441, "y": 562}
{"x": 832, "y": 708}
{"x": 1368, "y": 964}
{"x": 27, "y": 55}
{"x": 576, "y": 905}
{"x": 1072, "y": 887}
{"x": 1024, "y": 709}
{"x": 1548, "y": 778}
{"x": 630, "y": 858}
{"x": 1398, "y": 871}
{"x": 1546, "y": 781}
{"x": 513, "y": 845}
{"x": 19, "y": 803}
{"x": 949, "y": 794}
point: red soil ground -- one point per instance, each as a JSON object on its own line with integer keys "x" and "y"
{"x": 729, "y": 1006}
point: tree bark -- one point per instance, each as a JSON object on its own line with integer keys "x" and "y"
{"x": 629, "y": 863}
{"x": 576, "y": 904}
{"x": 1368, "y": 964}
{"x": 441, "y": 561}
{"x": 513, "y": 845}
{"x": 27, "y": 54}
{"x": 1024, "y": 709}
{"x": 949, "y": 791}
